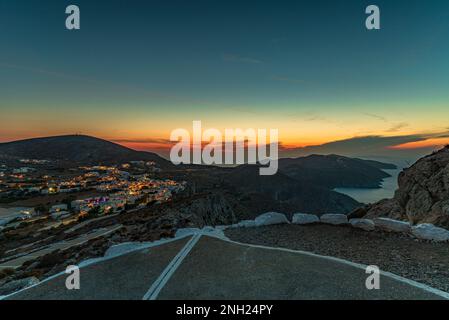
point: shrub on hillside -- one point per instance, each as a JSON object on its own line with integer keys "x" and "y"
{"x": 6, "y": 272}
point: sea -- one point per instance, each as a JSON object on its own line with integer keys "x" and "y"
{"x": 366, "y": 195}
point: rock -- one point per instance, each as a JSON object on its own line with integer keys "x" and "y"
{"x": 333, "y": 218}
{"x": 247, "y": 224}
{"x": 364, "y": 224}
{"x": 359, "y": 212}
{"x": 13, "y": 286}
{"x": 209, "y": 210}
{"x": 428, "y": 231}
{"x": 208, "y": 229}
{"x": 392, "y": 225}
{"x": 271, "y": 218}
{"x": 186, "y": 231}
{"x": 423, "y": 193}
{"x": 122, "y": 248}
{"x": 303, "y": 218}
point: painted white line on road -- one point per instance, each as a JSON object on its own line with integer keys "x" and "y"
{"x": 163, "y": 278}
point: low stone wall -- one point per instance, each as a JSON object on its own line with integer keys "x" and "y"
{"x": 424, "y": 231}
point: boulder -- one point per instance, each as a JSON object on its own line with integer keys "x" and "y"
{"x": 428, "y": 231}
{"x": 208, "y": 229}
{"x": 247, "y": 224}
{"x": 13, "y": 286}
{"x": 334, "y": 218}
{"x": 271, "y": 218}
{"x": 364, "y": 224}
{"x": 392, "y": 225}
{"x": 122, "y": 248}
{"x": 359, "y": 212}
{"x": 303, "y": 218}
{"x": 186, "y": 231}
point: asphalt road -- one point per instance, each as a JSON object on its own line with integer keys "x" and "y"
{"x": 205, "y": 267}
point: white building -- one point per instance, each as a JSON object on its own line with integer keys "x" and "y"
{"x": 60, "y": 214}
{"x": 22, "y": 170}
{"x": 58, "y": 208}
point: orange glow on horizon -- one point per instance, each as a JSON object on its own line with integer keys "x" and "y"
{"x": 429, "y": 143}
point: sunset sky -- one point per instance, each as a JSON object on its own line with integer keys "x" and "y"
{"x": 139, "y": 69}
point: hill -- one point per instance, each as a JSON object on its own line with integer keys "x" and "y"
{"x": 284, "y": 193}
{"x": 75, "y": 149}
{"x": 334, "y": 171}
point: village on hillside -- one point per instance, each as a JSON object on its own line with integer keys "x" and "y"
{"x": 40, "y": 190}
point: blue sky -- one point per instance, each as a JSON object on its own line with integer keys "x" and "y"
{"x": 309, "y": 68}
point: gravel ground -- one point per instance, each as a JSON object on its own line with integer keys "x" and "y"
{"x": 421, "y": 261}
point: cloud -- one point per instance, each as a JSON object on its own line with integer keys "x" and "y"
{"x": 49, "y": 73}
{"x": 287, "y": 79}
{"x": 315, "y": 118}
{"x": 398, "y": 127}
{"x": 395, "y": 127}
{"x": 374, "y": 146}
{"x": 113, "y": 86}
{"x": 238, "y": 58}
{"x": 375, "y": 116}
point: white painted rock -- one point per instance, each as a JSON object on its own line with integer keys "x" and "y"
{"x": 247, "y": 224}
{"x": 304, "y": 218}
{"x": 186, "y": 231}
{"x": 334, "y": 218}
{"x": 270, "y": 218}
{"x": 428, "y": 231}
{"x": 364, "y": 224}
{"x": 208, "y": 229}
{"x": 392, "y": 225}
{"x": 122, "y": 248}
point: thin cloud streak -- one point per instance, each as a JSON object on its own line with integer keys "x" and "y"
{"x": 287, "y": 79}
{"x": 398, "y": 127}
{"x": 238, "y": 58}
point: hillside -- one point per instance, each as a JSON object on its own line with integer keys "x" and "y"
{"x": 333, "y": 171}
{"x": 75, "y": 149}
{"x": 301, "y": 184}
{"x": 286, "y": 193}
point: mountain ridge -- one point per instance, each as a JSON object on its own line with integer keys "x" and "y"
{"x": 334, "y": 171}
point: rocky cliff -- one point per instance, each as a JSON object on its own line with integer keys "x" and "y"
{"x": 423, "y": 193}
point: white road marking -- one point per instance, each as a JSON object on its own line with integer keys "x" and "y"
{"x": 163, "y": 278}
